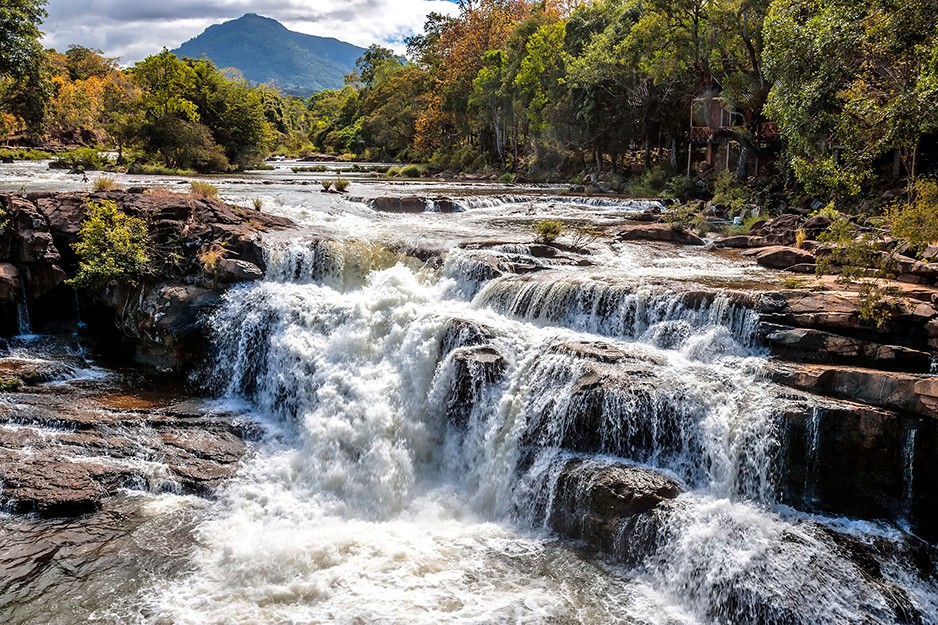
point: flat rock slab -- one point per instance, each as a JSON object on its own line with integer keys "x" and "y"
{"x": 63, "y": 451}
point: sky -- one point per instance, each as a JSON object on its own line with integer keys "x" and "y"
{"x": 135, "y": 29}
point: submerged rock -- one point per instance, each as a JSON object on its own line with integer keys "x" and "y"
{"x": 62, "y": 453}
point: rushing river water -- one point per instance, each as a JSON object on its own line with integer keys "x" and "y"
{"x": 370, "y": 501}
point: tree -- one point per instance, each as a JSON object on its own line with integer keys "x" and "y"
{"x": 376, "y": 65}
{"x": 855, "y": 82}
{"x": 24, "y": 88}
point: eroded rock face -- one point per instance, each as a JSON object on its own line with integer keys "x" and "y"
{"x": 593, "y": 499}
{"x": 64, "y": 450}
{"x": 657, "y": 232}
{"x": 158, "y": 319}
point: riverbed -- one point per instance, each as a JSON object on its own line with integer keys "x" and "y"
{"x": 366, "y": 500}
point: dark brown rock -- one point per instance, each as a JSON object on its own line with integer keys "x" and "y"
{"x": 781, "y": 257}
{"x": 741, "y": 241}
{"x": 231, "y": 270}
{"x": 592, "y": 499}
{"x": 907, "y": 393}
{"x": 406, "y": 204}
{"x": 817, "y": 346}
{"x": 657, "y": 232}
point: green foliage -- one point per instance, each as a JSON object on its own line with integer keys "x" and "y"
{"x": 27, "y": 154}
{"x": 506, "y": 178}
{"x": 104, "y": 183}
{"x": 326, "y": 184}
{"x": 875, "y": 306}
{"x": 412, "y": 171}
{"x": 257, "y": 203}
{"x": 88, "y": 159}
{"x": 650, "y": 184}
{"x": 855, "y": 254}
{"x": 340, "y": 184}
{"x": 111, "y": 246}
{"x": 728, "y": 192}
{"x": 547, "y": 230}
{"x": 203, "y": 190}
{"x": 683, "y": 188}
{"x": 916, "y": 221}
{"x": 688, "y": 217}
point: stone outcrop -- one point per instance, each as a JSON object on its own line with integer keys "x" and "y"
{"x": 64, "y": 450}
{"x": 656, "y": 232}
{"x": 198, "y": 248}
{"x": 782, "y": 257}
{"x": 414, "y": 204}
{"x": 592, "y": 500}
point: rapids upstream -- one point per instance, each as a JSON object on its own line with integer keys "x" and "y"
{"x": 420, "y": 420}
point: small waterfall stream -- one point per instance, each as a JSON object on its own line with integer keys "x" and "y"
{"x": 418, "y": 431}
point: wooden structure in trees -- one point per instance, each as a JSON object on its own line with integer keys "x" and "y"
{"x": 713, "y": 121}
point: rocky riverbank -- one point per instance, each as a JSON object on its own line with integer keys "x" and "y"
{"x": 199, "y": 247}
{"x": 68, "y": 441}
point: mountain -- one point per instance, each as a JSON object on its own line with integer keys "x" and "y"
{"x": 265, "y": 51}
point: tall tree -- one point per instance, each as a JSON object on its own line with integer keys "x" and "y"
{"x": 24, "y": 87}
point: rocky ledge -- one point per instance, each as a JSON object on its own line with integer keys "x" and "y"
{"x": 66, "y": 443}
{"x": 199, "y": 248}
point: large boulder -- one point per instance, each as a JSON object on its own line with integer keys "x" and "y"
{"x": 593, "y": 499}
{"x": 907, "y": 393}
{"x": 817, "y": 346}
{"x": 781, "y": 257}
{"x": 657, "y": 232}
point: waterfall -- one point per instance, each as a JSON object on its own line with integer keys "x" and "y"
{"x": 22, "y": 311}
{"x": 417, "y": 440}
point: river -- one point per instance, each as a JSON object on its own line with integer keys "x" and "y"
{"x": 379, "y": 494}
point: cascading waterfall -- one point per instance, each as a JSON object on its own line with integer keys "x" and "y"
{"x": 415, "y": 442}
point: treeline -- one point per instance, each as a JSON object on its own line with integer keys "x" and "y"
{"x": 548, "y": 88}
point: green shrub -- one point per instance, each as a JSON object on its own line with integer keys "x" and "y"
{"x": 875, "y": 308}
{"x": 650, "y": 184}
{"x": 257, "y": 203}
{"x": 104, "y": 183}
{"x": 506, "y": 178}
{"x": 682, "y": 188}
{"x": 203, "y": 190}
{"x": 27, "y": 154}
{"x": 411, "y": 171}
{"x": 340, "y": 184}
{"x": 728, "y": 192}
{"x": 111, "y": 246}
{"x": 326, "y": 184}
{"x": 916, "y": 222}
{"x": 548, "y": 230}
{"x": 394, "y": 172}
{"x": 82, "y": 158}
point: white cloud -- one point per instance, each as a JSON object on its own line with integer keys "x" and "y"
{"x": 134, "y": 30}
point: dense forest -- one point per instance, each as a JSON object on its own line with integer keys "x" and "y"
{"x": 554, "y": 89}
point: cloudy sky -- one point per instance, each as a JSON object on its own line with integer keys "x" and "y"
{"x": 134, "y": 29}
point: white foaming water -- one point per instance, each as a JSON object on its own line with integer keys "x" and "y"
{"x": 373, "y": 502}
{"x": 408, "y": 468}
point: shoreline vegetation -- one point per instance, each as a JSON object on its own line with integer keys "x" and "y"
{"x": 736, "y": 111}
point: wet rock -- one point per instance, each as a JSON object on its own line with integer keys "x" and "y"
{"x": 10, "y": 299}
{"x": 167, "y": 324}
{"x": 902, "y": 392}
{"x": 817, "y": 346}
{"x": 64, "y": 453}
{"x": 781, "y": 257}
{"x": 657, "y": 232}
{"x": 231, "y": 271}
{"x": 405, "y": 204}
{"x": 475, "y": 370}
{"x": 593, "y": 499}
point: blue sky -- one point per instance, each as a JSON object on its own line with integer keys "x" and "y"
{"x": 133, "y": 29}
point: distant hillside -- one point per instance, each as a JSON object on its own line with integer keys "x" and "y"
{"x": 266, "y": 52}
